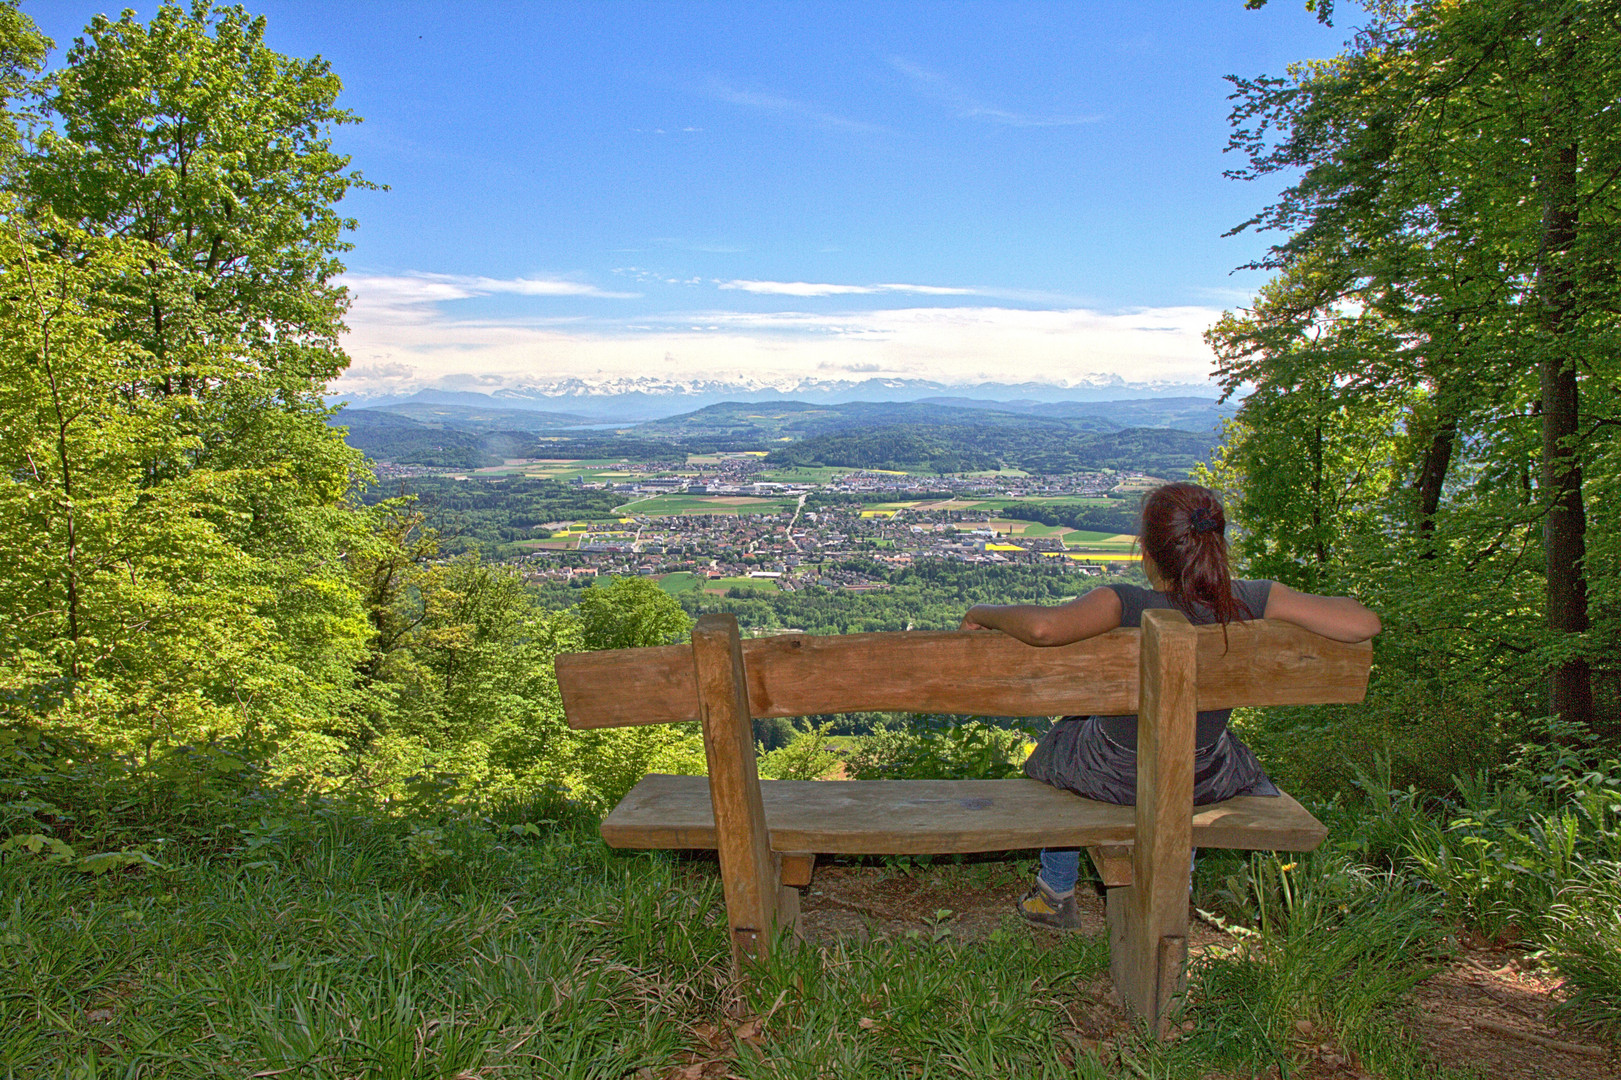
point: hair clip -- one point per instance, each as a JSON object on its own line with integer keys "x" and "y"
{"x": 1203, "y": 521}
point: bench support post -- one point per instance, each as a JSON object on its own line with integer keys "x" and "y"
{"x": 748, "y": 869}
{"x": 1148, "y": 919}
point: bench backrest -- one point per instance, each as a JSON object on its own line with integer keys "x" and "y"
{"x": 1163, "y": 673}
{"x": 981, "y": 673}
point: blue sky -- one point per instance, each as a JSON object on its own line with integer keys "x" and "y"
{"x": 680, "y": 191}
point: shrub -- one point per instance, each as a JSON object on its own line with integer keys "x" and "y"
{"x": 971, "y": 751}
{"x": 806, "y": 757}
{"x": 1583, "y": 939}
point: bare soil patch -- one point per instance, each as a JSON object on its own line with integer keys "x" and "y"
{"x": 1489, "y": 1011}
{"x": 1486, "y": 1012}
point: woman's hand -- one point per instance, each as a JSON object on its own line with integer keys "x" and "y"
{"x": 968, "y": 622}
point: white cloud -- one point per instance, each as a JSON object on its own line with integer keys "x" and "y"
{"x": 787, "y": 107}
{"x": 817, "y": 288}
{"x": 796, "y": 288}
{"x": 936, "y": 87}
{"x": 927, "y": 290}
{"x": 404, "y": 335}
{"x": 424, "y": 288}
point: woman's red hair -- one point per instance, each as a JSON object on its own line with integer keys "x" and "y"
{"x": 1184, "y": 532}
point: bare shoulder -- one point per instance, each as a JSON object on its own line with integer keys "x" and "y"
{"x": 1102, "y": 599}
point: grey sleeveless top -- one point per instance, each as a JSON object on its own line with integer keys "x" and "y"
{"x": 1134, "y": 600}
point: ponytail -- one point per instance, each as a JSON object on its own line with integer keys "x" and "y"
{"x": 1184, "y": 532}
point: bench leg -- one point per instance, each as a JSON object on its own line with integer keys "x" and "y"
{"x": 1148, "y": 919}
{"x": 794, "y": 870}
{"x": 1148, "y": 949}
{"x": 749, "y": 870}
{"x": 788, "y": 915}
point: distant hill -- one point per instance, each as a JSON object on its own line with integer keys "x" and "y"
{"x": 969, "y": 447}
{"x": 475, "y": 416}
{"x": 623, "y": 400}
{"x": 1163, "y": 436}
{"x": 386, "y": 436}
{"x": 1198, "y": 414}
{"x": 776, "y": 421}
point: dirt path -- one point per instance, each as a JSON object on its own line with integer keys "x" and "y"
{"x": 1486, "y": 1012}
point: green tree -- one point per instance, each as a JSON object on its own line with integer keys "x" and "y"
{"x": 22, "y": 56}
{"x": 129, "y": 600}
{"x": 631, "y": 612}
{"x": 194, "y": 136}
{"x": 1450, "y": 252}
{"x": 168, "y": 329}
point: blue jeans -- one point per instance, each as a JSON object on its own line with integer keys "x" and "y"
{"x": 1061, "y": 868}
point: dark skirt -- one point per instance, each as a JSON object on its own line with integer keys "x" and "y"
{"x": 1076, "y": 755}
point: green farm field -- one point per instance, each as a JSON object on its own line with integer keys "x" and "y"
{"x": 557, "y": 469}
{"x": 1052, "y": 500}
{"x": 672, "y": 505}
{"x": 721, "y": 585}
{"x": 680, "y": 582}
{"x": 802, "y": 474}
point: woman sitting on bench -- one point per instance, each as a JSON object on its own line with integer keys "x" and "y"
{"x": 1184, "y": 551}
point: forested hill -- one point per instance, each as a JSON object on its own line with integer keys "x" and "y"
{"x": 1037, "y": 447}
{"x": 796, "y": 419}
{"x": 799, "y": 420}
{"x": 1170, "y": 437}
{"x": 387, "y": 436}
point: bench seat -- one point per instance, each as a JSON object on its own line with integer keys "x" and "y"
{"x": 767, "y": 836}
{"x": 936, "y": 817}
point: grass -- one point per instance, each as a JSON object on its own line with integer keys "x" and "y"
{"x": 671, "y": 505}
{"x": 722, "y": 584}
{"x": 1000, "y": 504}
{"x": 681, "y": 582}
{"x": 273, "y": 936}
{"x": 1089, "y": 538}
{"x": 330, "y": 962}
{"x": 800, "y": 474}
{"x": 332, "y": 953}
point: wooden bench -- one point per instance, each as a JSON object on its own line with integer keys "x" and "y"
{"x": 768, "y": 834}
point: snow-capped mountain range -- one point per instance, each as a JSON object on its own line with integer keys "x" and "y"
{"x": 620, "y": 400}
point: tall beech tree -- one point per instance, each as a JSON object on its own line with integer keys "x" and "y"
{"x": 1458, "y": 197}
{"x": 189, "y": 133}
{"x": 181, "y": 558}
{"x": 170, "y": 319}
{"x": 192, "y": 137}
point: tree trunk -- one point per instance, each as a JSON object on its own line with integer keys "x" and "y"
{"x": 1432, "y": 474}
{"x": 1564, "y": 531}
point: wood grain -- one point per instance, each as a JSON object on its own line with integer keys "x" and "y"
{"x": 627, "y": 687}
{"x": 980, "y": 673}
{"x": 937, "y": 817}
{"x": 797, "y": 868}
{"x": 1150, "y": 916}
{"x": 1112, "y": 862}
{"x": 748, "y": 869}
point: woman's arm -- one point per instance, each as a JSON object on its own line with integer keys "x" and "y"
{"x": 1337, "y": 617}
{"x": 1085, "y": 616}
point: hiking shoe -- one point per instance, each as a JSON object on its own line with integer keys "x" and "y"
{"x": 1039, "y": 905}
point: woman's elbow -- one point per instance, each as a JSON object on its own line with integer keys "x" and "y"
{"x": 1044, "y": 633}
{"x": 1363, "y": 624}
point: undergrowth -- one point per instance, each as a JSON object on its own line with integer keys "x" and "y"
{"x": 246, "y": 929}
